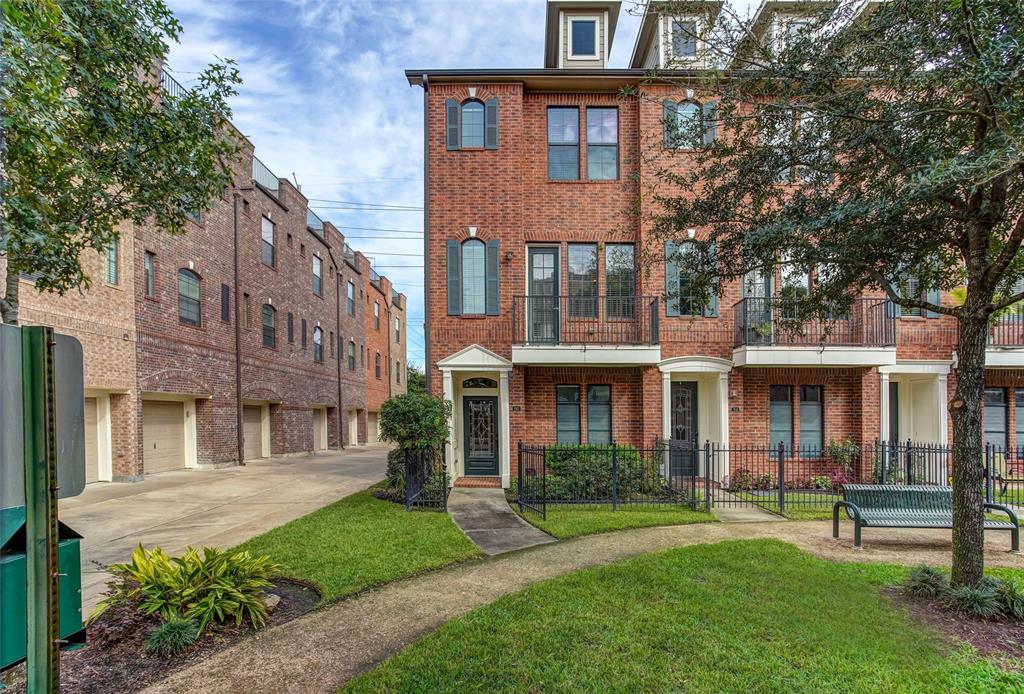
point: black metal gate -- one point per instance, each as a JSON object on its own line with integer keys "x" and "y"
{"x": 426, "y": 479}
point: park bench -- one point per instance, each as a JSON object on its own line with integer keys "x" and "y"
{"x": 909, "y": 506}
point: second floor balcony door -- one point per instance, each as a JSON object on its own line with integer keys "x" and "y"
{"x": 757, "y": 313}
{"x": 542, "y": 303}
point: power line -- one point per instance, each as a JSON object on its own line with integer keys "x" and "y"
{"x": 383, "y": 238}
{"x": 364, "y": 205}
{"x": 370, "y": 254}
{"x": 394, "y": 231}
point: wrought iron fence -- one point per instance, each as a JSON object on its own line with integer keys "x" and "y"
{"x": 1008, "y": 330}
{"x": 610, "y": 477}
{"x": 426, "y": 479}
{"x": 780, "y": 321}
{"x": 1004, "y": 475}
{"x": 575, "y": 320}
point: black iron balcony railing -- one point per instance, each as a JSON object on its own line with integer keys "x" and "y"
{"x": 171, "y": 86}
{"x": 265, "y": 177}
{"x": 350, "y": 255}
{"x": 1007, "y": 331}
{"x": 590, "y": 320}
{"x": 775, "y": 321}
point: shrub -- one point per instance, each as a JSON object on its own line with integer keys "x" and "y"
{"x": 415, "y": 420}
{"x": 926, "y": 582}
{"x": 1011, "y": 599}
{"x": 395, "y": 475}
{"x": 742, "y": 478}
{"x": 171, "y": 637}
{"x": 214, "y": 586}
{"x": 978, "y": 601}
{"x": 842, "y": 453}
{"x": 821, "y": 482}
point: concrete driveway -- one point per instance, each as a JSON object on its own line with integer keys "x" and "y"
{"x": 174, "y": 510}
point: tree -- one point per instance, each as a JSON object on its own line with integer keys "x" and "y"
{"x": 415, "y": 421}
{"x": 881, "y": 152}
{"x": 415, "y": 380}
{"x": 95, "y": 134}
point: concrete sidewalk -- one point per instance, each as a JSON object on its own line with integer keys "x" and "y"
{"x": 487, "y": 519}
{"x": 174, "y": 510}
{"x": 321, "y": 651}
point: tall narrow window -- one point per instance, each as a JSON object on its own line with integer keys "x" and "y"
{"x": 269, "y": 326}
{"x": 376, "y": 315}
{"x": 331, "y": 343}
{"x": 318, "y": 283}
{"x": 472, "y": 124}
{"x": 474, "y": 277}
{"x": 398, "y": 330}
{"x": 780, "y": 416}
{"x": 376, "y": 365}
{"x": 351, "y": 298}
{"x": 113, "y": 263}
{"x": 351, "y": 356}
{"x": 620, "y": 280}
{"x": 189, "y": 306}
{"x": 682, "y": 125}
{"x": 225, "y": 303}
{"x": 812, "y": 420}
{"x": 994, "y": 421}
{"x": 398, "y": 372}
{"x": 602, "y": 144}
{"x": 302, "y": 334}
{"x": 912, "y": 290}
{"x": 599, "y": 414}
{"x": 149, "y": 270}
{"x": 245, "y": 311}
{"x": 684, "y": 39}
{"x": 291, "y": 327}
{"x": 318, "y": 345}
{"x": 267, "y": 242}
{"x": 563, "y": 144}
{"x": 567, "y": 414}
{"x": 582, "y": 280}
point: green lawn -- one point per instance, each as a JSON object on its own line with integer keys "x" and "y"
{"x": 743, "y": 616}
{"x": 798, "y": 505}
{"x": 361, "y": 541}
{"x": 571, "y": 521}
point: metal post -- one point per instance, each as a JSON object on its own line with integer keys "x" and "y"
{"x": 910, "y": 463}
{"x": 707, "y": 476}
{"x": 782, "y": 477}
{"x": 615, "y": 477}
{"x": 988, "y": 473}
{"x": 408, "y": 475}
{"x": 40, "y": 423}
{"x": 544, "y": 481}
{"x": 519, "y": 476}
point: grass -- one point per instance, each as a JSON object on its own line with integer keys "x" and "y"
{"x": 572, "y": 521}
{"x": 797, "y": 504}
{"x": 360, "y": 542}
{"x": 757, "y": 616}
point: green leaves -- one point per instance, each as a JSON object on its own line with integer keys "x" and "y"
{"x": 415, "y": 420}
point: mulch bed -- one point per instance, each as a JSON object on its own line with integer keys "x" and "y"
{"x": 1001, "y": 639}
{"x": 115, "y": 659}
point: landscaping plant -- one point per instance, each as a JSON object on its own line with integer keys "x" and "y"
{"x": 171, "y": 637}
{"x": 978, "y": 601}
{"x": 415, "y": 421}
{"x": 211, "y": 586}
{"x": 926, "y": 582}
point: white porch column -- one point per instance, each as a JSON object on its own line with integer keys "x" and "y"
{"x": 723, "y": 410}
{"x": 940, "y": 405}
{"x": 504, "y": 437}
{"x": 448, "y": 392}
{"x": 883, "y": 407}
{"x": 666, "y": 405}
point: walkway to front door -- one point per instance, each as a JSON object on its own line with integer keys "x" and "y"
{"x": 488, "y": 520}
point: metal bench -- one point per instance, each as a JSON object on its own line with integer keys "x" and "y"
{"x": 909, "y": 506}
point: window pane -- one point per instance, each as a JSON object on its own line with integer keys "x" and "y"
{"x": 473, "y": 278}
{"x": 267, "y": 236}
{"x": 225, "y": 302}
{"x": 188, "y": 297}
{"x": 150, "y": 274}
{"x": 584, "y": 37}
{"x": 318, "y": 346}
{"x": 599, "y": 414}
{"x": 687, "y": 132}
{"x": 684, "y": 38}
{"x": 317, "y": 275}
{"x": 112, "y": 263}
{"x": 602, "y": 126}
{"x": 620, "y": 280}
{"x": 472, "y": 124}
{"x": 602, "y": 162}
{"x": 781, "y": 416}
{"x": 995, "y": 417}
{"x": 269, "y": 326}
{"x": 582, "y": 280}
{"x": 811, "y": 419}
{"x": 567, "y": 414}
{"x": 563, "y": 126}
{"x": 911, "y": 290}
{"x": 689, "y": 303}
{"x": 563, "y": 162}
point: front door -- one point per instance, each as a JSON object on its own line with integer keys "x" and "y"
{"x": 543, "y": 295}
{"x": 684, "y": 411}
{"x": 480, "y": 421}
{"x": 757, "y": 315}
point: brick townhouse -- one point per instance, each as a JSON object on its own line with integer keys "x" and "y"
{"x": 240, "y": 338}
{"x": 542, "y": 323}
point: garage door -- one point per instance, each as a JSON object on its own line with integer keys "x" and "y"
{"x": 371, "y": 427}
{"x": 92, "y": 458}
{"x": 353, "y": 428}
{"x": 318, "y": 430}
{"x": 163, "y": 436}
{"x": 252, "y": 430}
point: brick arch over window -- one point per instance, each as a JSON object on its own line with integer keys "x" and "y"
{"x": 468, "y": 126}
{"x": 175, "y": 381}
{"x": 261, "y": 391}
{"x": 465, "y": 259}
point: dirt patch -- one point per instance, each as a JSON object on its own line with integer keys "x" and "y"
{"x": 115, "y": 660}
{"x": 1001, "y": 639}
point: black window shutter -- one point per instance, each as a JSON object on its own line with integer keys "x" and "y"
{"x": 711, "y": 310}
{"x": 454, "y": 278}
{"x": 291, "y": 327}
{"x": 671, "y": 279}
{"x": 491, "y": 124}
{"x": 669, "y": 124}
{"x": 225, "y": 302}
{"x": 302, "y": 337}
{"x": 452, "y": 125}
{"x": 710, "y": 123}
{"x": 492, "y": 272}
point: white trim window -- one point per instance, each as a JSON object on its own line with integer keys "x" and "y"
{"x": 683, "y": 43}
{"x": 583, "y": 37}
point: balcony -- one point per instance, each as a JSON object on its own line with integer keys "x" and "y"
{"x": 585, "y": 330}
{"x": 375, "y": 278}
{"x": 265, "y": 178}
{"x": 1005, "y": 346}
{"x": 349, "y": 255}
{"x": 768, "y": 333}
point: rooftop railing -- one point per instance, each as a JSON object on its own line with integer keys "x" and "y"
{"x": 374, "y": 278}
{"x": 350, "y": 255}
{"x": 171, "y": 86}
{"x": 265, "y": 177}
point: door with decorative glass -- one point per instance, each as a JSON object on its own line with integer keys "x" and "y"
{"x": 480, "y": 422}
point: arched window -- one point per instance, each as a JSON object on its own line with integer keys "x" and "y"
{"x": 472, "y": 124}
{"x": 479, "y": 383}
{"x": 351, "y": 355}
{"x": 474, "y": 277}
{"x": 189, "y": 306}
{"x": 376, "y": 365}
{"x": 318, "y": 345}
{"x": 269, "y": 326}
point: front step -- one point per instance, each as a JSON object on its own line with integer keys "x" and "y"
{"x": 478, "y": 482}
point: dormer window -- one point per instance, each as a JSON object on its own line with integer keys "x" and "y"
{"x": 684, "y": 39}
{"x": 583, "y": 37}
{"x": 471, "y": 124}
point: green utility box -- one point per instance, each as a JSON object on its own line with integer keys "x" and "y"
{"x": 13, "y": 590}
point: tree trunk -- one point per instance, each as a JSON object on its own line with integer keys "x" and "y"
{"x": 968, "y": 456}
{"x": 9, "y": 302}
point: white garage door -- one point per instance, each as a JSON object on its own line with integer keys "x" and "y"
{"x": 371, "y": 427}
{"x": 92, "y": 458}
{"x": 252, "y": 430}
{"x": 163, "y": 436}
{"x": 318, "y": 429}
{"x": 353, "y": 428}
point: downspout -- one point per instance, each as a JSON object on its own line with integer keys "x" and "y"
{"x": 391, "y": 376}
{"x": 337, "y": 345}
{"x": 239, "y": 433}
{"x": 425, "y": 83}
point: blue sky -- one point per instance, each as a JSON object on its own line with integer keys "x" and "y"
{"x": 325, "y": 99}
